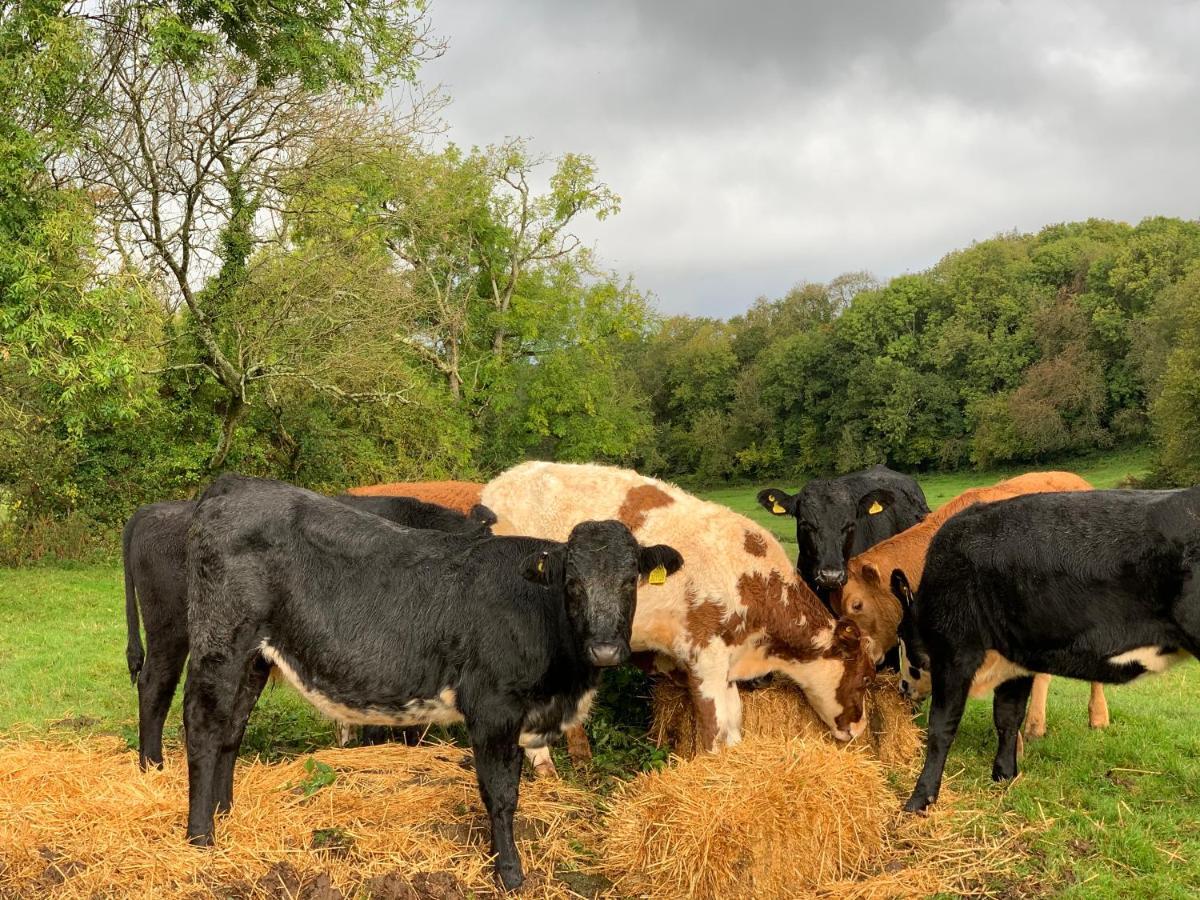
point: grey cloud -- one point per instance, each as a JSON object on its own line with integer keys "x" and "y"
{"x": 759, "y": 144}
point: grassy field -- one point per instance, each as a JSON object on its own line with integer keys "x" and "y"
{"x": 1115, "y": 813}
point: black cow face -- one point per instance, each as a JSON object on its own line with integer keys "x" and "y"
{"x": 915, "y": 682}
{"x": 826, "y": 514}
{"x": 598, "y": 569}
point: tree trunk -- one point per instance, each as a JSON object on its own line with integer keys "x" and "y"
{"x": 235, "y": 411}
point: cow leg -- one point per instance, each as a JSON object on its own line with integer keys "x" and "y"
{"x": 251, "y": 690}
{"x": 1008, "y": 709}
{"x": 156, "y": 685}
{"x": 1035, "y": 724}
{"x": 578, "y": 747}
{"x": 498, "y": 770}
{"x": 1097, "y": 706}
{"x": 716, "y": 701}
{"x": 208, "y": 699}
{"x": 951, "y": 684}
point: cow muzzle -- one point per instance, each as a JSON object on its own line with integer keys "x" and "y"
{"x": 606, "y": 654}
{"x": 850, "y": 733}
{"x": 830, "y": 578}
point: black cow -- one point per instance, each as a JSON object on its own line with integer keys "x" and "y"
{"x": 837, "y": 518}
{"x": 1095, "y": 585}
{"x": 392, "y": 625}
{"x": 155, "y": 543}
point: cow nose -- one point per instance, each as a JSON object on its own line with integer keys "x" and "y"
{"x": 831, "y": 578}
{"x": 608, "y": 654}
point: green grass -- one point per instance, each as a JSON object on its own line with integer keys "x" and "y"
{"x": 1115, "y": 813}
{"x": 62, "y": 664}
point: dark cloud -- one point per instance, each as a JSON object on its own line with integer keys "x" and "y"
{"x": 759, "y": 144}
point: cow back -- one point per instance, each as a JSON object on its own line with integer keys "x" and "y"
{"x": 457, "y": 495}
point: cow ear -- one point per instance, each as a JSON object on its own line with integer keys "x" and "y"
{"x": 544, "y": 567}
{"x": 874, "y": 502}
{"x": 777, "y": 502}
{"x": 870, "y": 574}
{"x": 902, "y": 590}
{"x": 847, "y": 634}
{"x": 659, "y": 556}
{"x": 482, "y": 515}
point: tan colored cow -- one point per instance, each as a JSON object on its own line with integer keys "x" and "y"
{"x": 459, "y": 495}
{"x": 867, "y": 597}
{"x": 735, "y": 611}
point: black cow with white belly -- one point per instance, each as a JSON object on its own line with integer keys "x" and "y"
{"x": 154, "y": 545}
{"x": 837, "y": 518}
{"x": 1095, "y": 585}
{"x": 387, "y": 625}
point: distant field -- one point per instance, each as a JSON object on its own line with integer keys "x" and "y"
{"x": 1105, "y": 470}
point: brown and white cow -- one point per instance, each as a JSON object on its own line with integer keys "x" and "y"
{"x": 459, "y": 495}
{"x": 867, "y": 597}
{"x": 736, "y": 611}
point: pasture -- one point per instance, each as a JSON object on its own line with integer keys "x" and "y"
{"x": 1096, "y": 814}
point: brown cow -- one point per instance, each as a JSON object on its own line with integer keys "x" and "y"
{"x": 867, "y": 597}
{"x": 459, "y": 495}
{"x": 738, "y": 612}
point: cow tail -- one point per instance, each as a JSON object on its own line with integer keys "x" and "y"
{"x": 134, "y": 654}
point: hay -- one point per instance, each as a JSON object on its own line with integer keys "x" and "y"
{"x": 770, "y": 818}
{"x": 778, "y": 711}
{"x": 81, "y": 821}
{"x": 793, "y": 818}
{"x": 766, "y": 818}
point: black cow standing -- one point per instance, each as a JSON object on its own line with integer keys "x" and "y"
{"x": 392, "y": 625}
{"x": 837, "y": 518}
{"x": 1095, "y": 585}
{"x": 154, "y": 546}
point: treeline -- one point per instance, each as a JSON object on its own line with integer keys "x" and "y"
{"x": 1018, "y": 349}
{"x": 217, "y": 252}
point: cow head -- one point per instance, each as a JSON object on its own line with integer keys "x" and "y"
{"x": 835, "y": 681}
{"x": 597, "y": 570}
{"x": 915, "y": 682}
{"x": 826, "y": 511}
{"x": 868, "y": 602}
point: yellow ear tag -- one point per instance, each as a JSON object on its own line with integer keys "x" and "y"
{"x": 658, "y": 575}
{"x": 776, "y": 508}
{"x": 875, "y": 509}
{"x": 542, "y": 564}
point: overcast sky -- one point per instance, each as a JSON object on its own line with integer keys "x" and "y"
{"x": 758, "y": 144}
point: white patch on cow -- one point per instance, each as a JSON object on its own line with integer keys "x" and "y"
{"x": 439, "y": 710}
{"x": 583, "y": 709}
{"x": 1152, "y": 659}
{"x": 996, "y": 669}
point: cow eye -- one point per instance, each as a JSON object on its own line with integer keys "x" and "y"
{"x": 857, "y": 606}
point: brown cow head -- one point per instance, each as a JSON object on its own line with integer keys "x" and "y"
{"x": 835, "y": 681}
{"x": 868, "y": 602}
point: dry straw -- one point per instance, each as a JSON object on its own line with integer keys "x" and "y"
{"x": 81, "y": 821}
{"x": 767, "y": 818}
{"x": 778, "y": 711}
{"x": 778, "y": 816}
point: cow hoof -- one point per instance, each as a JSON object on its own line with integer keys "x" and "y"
{"x": 204, "y": 839}
{"x": 1035, "y": 730}
{"x": 918, "y": 803}
{"x": 1003, "y": 773}
{"x": 545, "y": 770}
{"x": 511, "y": 877}
{"x": 1099, "y": 722}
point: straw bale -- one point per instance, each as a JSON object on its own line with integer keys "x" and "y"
{"x": 767, "y": 818}
{"x": 778, "y": 710}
